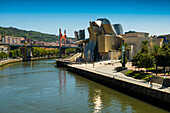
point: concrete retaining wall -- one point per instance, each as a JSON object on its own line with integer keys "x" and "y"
{"x": 61, "y": 63}
{"x": 155, "y": 97}
{"x": 2, "y": 63}
{"x": 166, "y": 82}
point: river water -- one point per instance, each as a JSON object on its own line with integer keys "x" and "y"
{"x": 40, "y": 87}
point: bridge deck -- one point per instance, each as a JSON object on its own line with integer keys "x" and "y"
{"x": 15, "y": 45}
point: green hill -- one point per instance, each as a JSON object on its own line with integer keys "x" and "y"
{"x": 10, "y": 31}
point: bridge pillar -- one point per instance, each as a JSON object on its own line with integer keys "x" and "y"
{"x": 62, "y": 52}
{"x": 31, "y": 52}
{"x": 27, "y": 53}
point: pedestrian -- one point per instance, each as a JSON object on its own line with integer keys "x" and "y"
{"x": 93, "y": 64}
{"x": 151, "y": 84}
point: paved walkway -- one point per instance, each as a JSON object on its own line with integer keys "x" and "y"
{"x": 108, "y": 70}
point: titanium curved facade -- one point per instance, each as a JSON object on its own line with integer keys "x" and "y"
{"x": 118, "y": 28}
{"x": 102, "y": 39}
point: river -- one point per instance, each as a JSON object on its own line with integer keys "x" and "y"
{"x": 40, "y": 87}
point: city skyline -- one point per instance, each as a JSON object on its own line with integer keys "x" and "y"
{"x": 48, "y": 16}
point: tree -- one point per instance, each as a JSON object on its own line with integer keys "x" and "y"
{"x": 146, "y": 61}
{"x": 12, "y": 54}
{"x": 70, "y": 50}
{"x": 43, "y": 52}
{"x": 3, "y": 55}
{"x": 156, "y": 51}
{"x": 144, "y": 46}
{"x": 18, "y": 52}
{"x": 15, "y": 53}
{"x": 57, "y": 52}
{"x": 126, "y": 47}
{"x": 143, "y": 59}
{"x": 164, "y": 57}
{"x": 136, "y": 60}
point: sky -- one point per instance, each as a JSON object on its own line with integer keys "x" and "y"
{"x": 47, "y": 16}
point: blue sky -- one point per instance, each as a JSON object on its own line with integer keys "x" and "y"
{"x": 48, "y": 16}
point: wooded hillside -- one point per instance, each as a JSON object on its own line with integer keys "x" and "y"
{"x": 10, "y": 31}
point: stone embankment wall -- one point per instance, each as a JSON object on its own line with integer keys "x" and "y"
{"x": 62, "y": 64}
{"x": 4, "y": 62}
{"x": 156, "y": 97}
{"x": 166, "y": 82}
{"x": 153, "y": 96}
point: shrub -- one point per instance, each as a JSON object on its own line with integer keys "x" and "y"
{"x": 3, "y": 55}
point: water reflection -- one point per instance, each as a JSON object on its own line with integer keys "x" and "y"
{"x": 62, "y": 80}
{"x": 39, "y": 87}
{"x": 103, "y": 99}
{"x": 97, "y": 100}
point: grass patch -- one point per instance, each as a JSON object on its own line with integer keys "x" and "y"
{"x": 151, "y": 69}
{"x": 138, "y": 75}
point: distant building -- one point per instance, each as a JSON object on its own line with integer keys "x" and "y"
{"x": 134, "y": 40}
{"x": 166, "y": 38}
{"x": 41, "y": 43}
{"x": 28, "y": 40}
{"x": 81, "y": 34}
{"x": 76, "y": 35}
{"x": 11, "y": 40}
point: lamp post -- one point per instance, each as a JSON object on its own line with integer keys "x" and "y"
{"x": 123, "y": 56}
{"x": 25, "y": 49}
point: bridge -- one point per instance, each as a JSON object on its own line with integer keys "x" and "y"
{"x": 17, "y": 46}
{"x": 28, "y": 49}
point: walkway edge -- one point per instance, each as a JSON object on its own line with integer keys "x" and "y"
{"x": 152, "y": 96}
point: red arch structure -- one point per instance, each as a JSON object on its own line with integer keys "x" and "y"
{"x": 62, "y": 37}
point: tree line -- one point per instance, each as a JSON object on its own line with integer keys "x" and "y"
{"x": 37, "y": 52}
{"x": 154, "y": 57}
{"x": 41, "y": 52}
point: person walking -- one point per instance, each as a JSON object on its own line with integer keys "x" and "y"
{"x": 151, "y": 84}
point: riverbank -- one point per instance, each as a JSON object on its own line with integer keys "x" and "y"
{"x": 154, "y": 94}
{"x": 9, "y": 61}
{"x": 38, "y": 86}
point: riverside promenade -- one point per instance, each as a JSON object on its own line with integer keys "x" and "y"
{"x": 105, "y": 73}
{"x": 109, "y": 71}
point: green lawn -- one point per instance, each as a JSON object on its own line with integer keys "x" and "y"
{"x": 138, "y": 74}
